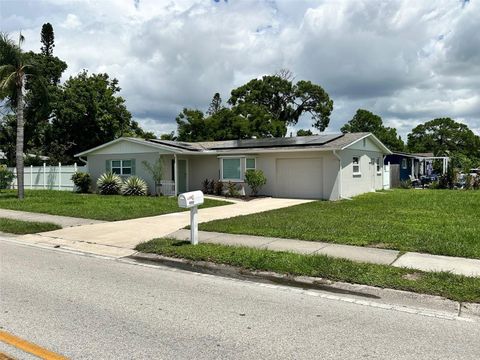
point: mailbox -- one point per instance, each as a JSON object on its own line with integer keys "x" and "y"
{"x": 190, "y": 199}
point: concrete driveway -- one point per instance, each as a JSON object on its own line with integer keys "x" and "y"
{"x": 120, "y": 237}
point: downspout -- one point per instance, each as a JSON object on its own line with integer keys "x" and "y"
{"x": 339, "y": 173}
{"x": 83, "y": 160}
{"x": 175, "y": 173}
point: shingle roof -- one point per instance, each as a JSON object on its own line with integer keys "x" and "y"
{"x": 324, "y": 141}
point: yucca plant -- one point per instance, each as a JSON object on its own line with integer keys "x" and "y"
{"x": 109, "y": 184}
{"x": 134, "y": 186}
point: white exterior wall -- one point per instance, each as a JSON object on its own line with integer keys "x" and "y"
{"x": 201, "y": 167}
{"x": 368, "y": 180}
{"x": 97, "y": 166}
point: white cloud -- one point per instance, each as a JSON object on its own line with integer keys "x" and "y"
{"x": 408, "y": 61}
{"x": 71, "y": 22}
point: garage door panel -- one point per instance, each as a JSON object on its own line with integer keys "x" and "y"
{"x": 299, "y": 178}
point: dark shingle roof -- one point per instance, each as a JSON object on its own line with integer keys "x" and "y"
{"x": 324, "y": 141}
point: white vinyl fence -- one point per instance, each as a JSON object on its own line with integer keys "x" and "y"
{"x": 386, "y": 176}
{"x": 49, "y": 177}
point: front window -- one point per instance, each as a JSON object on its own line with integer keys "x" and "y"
{"x": 356, "y": 165}
{"x": 121, "y": 167}
{"x": 404, "y": 163}
{"x": 250, "y": 164}
{"x": 231, "y": 169}
{"x": 379, "y": 165}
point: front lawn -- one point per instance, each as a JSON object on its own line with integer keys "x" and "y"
{"x": 25, "y": 227}
{"x": 455, "y": 287}
{"x": 443, "y": 222}
{"x": 92, "y": 206}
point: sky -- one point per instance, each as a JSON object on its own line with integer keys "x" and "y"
{"x": 408, "y": 61}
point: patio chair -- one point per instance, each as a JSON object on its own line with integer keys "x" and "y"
{"x": 415, "y": 182}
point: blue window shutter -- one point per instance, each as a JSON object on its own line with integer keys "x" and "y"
{"x": 133, "y": 166}
{"x": 107, "y": 166}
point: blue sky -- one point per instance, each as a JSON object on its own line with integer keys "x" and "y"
{"x": 407, "y": 61}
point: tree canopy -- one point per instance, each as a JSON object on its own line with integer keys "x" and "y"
{"x": 262, "y": 108}
{"x": 302, "y": 132}
{"x": 445, "y": 137}
{"x": 366, "y": 121}
{"x": 89, "y": 113}
{"x": 63, "y": 119}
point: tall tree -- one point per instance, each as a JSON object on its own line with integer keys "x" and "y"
{"x": 13, "y": 68}
{"x": 88, "y": 113}
{"x": 48, "y": 39}
{"x": 215, "y": 105}
{"x": 366, "y": 121}
{"x": 444, "y": 136}
{"x": 284, "y": 101}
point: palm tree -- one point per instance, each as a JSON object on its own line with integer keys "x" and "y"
{"x": 13, "y": 67}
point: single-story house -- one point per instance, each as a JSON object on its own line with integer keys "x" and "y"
{"x": 327, "y": 166}
{"x": 413, "y": 165}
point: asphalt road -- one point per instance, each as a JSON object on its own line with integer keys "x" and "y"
{"x": 93, "y": 308}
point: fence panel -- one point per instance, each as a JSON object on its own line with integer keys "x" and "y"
{"x": 49, "y": 177}
{"x": 395, "y": 175}
{"x": 386, "y": 176}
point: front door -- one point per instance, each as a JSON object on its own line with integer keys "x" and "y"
{"x": 182, "y": 176}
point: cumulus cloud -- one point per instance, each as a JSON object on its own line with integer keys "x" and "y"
{"x": 408, "y": 61}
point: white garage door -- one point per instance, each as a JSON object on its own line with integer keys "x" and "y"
{"x": 299, "y": 178}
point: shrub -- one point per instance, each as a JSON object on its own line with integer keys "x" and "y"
{"x": 6, "y": 177}
{"x": 219, "y": 188}
{"x": 255, "y": 179}
{"x": 82, "y": 181}
{"x": 211, "y": 187}
{"x": 205, "y": 185}
{"x": 232, "y": 190}
{"x": 405, "y": 184}
{"x": 156, "y": 170}
{"x": 109, "y": 184}
{"x": 134, "y": 186}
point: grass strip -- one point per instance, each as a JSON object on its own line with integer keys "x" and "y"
{"x": 455, "y": 287}
{"x": 25, "y": 227}
{"x": 94, "y": 206}
{"x": 441, "y": 222}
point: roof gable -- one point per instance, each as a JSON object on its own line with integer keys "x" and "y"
{"x": 127, "y": 145}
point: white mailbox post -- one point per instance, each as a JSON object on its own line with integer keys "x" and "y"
{"x": 191, "y": 200}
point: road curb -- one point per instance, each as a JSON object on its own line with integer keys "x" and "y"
{"x": 362, "y": 292}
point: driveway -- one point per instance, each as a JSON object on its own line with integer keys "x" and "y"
{"x": 120, "y": 237}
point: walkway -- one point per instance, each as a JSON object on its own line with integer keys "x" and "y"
{"x": 63, "y": 221}
{"x": 424, "y": 262}
{"x": 119, "y": 238}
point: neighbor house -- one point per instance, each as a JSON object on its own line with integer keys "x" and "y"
{"x": 411, "y": 166}
{"x": 330, "y": 166}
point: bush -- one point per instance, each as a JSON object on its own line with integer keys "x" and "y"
{"x": 6, "y": 177}
{"x": 211, "y": 187}
{"x": 205, "y": 186}
{"x": 255, "y": 179}
{"x": 82, "y": 181}
{"x": 232, "y": 190}
{"x": 109, "y": 184}
{"x": 219, "y": 188}
{"x": 134, "y": 186}
{"x": 405, "y": 184}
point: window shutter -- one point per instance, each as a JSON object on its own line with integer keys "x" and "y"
{"x": 133, "y": 166}
{"x": 108, "y": 164}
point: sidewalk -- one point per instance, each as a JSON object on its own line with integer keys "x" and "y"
{"x": 119, "y": 238}
{"x": 63, "y": 221}
{"x": 424, "y": 262}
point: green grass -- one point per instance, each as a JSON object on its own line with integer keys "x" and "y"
{"x": 455, "y": 287}
{"x": 92, "y": 206}
{"x": 25, "y": 227}
{"x": 441, "y": 222}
